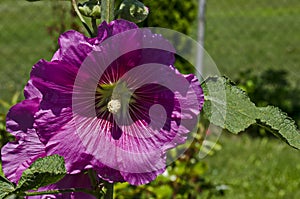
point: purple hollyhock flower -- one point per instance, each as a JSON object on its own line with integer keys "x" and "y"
{"x": 113, "y": 103}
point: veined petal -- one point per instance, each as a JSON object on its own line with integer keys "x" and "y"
{"x": 31, "y": 92}
{"x": 80, "y": 180}
{"x": 73, "y": 48}
{"x": 58, "y": 133}
{"x": 57, "y": 75}
{"x": 19, "y": 155}
{"x": 54, "y": 80}
{"x": 21, "y": 116}
{"x": 106, "y": 173}
{"x": 115, "y": 27}
{"x": 141, "y": 178}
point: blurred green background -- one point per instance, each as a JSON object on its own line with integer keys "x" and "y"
{"x": 254, "y": 42}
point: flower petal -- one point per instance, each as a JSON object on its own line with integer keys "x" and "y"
{"x": 115, "y": 27}
{"x": 30, "y": 91}
{"x": 80, "y": 180}
{"x": 106, "y": 173}
{"x": 141, "y": 178}
{"x": 18, "y": 155}
{"x": 73, "y": 48}
{"x": 58, "y": 133}
{"x": 54, "y": 80}
{"x": 21, "y": 116}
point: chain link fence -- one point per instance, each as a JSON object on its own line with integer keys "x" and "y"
{"x": 240, "y": 35}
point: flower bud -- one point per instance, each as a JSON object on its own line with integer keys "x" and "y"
{"x": 133, "y": 10}
{"x": 90, "y": 9}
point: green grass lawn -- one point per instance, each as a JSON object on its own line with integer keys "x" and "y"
{"x": 255, "y": 168}
{"x": 23, "y": 41}
{"x": 241, "y": 34}
{"x": 257, "y": 35}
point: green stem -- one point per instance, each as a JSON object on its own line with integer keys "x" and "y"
{"x": 107, "y": 10}
{"x": 74, "y": 4}
{"x": 59, "y": 191}
{"x": 110, "y": 191}
{"x": 92, "y": 175}
{"x": 95, "y": 27}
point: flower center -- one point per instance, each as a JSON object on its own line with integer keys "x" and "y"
{"x": 114, "y": 106}
{"x": 114, "y": 97}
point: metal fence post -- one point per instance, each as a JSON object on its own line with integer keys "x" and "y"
{"x": 200, "y": 35}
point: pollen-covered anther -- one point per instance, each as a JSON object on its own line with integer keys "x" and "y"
{"x": 114, "y": 106}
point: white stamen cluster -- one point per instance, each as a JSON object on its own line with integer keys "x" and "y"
{"x": 114, "y": 106}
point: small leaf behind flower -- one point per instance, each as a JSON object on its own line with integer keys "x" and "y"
{"x": 6, "y": 187}
{"x": 42, "y": 172}
{"x": 227, "y": 106}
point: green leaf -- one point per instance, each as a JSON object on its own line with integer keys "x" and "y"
{"x": 5, "y": 104}
{"x": 6, "y": 187}
{"x": 90, "y": 9}
{"x": 229, "y": 107}
{"x": 15, "y": 97}
{"x": 280, "y": 124}
{"x": 42, "y": 172}
{"x": 133, "y": 10}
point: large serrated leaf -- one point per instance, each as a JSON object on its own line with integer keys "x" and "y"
{"x": 280, "y": 124}
{"x": 6, "y": 187}
{"x": 42, "y": 172}
{"x": 227, "y": 106}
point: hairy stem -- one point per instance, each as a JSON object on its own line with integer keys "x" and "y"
{"x": 91, "y": 192}
{"x": 74, "y": 4}
{"x": 110, "y": 191}
{"x": 92, "y": 175}
{"x": 107, "y": 10}
{"x": 95, "y": 27}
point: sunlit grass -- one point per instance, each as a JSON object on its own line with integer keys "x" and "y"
{"x": 255, "y": 168}
{"x": 254, "y": 35}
